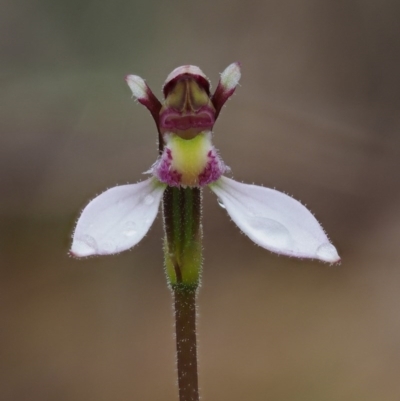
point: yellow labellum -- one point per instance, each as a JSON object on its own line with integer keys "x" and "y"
{"x": 190, "y": 156}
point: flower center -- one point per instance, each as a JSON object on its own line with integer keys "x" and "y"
{"x": 189, "y": 162}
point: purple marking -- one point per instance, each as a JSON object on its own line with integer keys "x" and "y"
{"x": 164, "y": 172}
{"x": 171, "y": 120}
{"x": 214, "y": 169}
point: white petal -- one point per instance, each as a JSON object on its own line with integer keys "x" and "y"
{"x": 230, "y": 77}
{"x": 117, "y": 219}
{"x": 138, "y": 86}
{"x": 274, "y": 220}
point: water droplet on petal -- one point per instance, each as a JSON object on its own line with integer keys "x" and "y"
{"x": 129, "y": 233}
{"x": 129, "y": 229}
{"x": 221, "y": 203}
{"x": 149, "y": 199}
{"x": 108, "y": 246}
{"x": 84, "y": 245}
{"x": 328, "y": 253}
{"x": 89, "y": 241}
{"x": 271, "y": 232}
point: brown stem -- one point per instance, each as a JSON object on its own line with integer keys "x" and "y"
{"x": 186, "y": 347}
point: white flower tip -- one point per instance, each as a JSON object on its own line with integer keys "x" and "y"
{"x": 230, "y": 76}
{"x": 138, "y": 86}
{"x": 185, "y": 69}
{"x": 83, "y": 247}
{"x": 327, "y": 253}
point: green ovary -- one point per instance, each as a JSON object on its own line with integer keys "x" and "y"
{"x": 182, "y": 246}
{"x": 189, "y": 262}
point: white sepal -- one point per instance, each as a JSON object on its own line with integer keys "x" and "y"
{"x": 230, "y": 76}
{"x": 138, "y": 86}
{"x": 274, "y": 220}
{"x": 117, "y": 219}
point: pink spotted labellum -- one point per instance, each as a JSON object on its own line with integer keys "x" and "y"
{"x": 120, "y": 217}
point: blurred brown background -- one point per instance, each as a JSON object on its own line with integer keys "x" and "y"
{"x": 316, "y": 115}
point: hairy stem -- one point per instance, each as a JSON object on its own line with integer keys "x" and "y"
{"x": 183, "y": 263}
{"x": 186, "y": 347}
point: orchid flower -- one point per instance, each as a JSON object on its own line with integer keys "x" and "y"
{"x": 120, "y": 217}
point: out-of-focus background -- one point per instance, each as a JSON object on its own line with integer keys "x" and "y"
{"x": 316, "y": 115}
